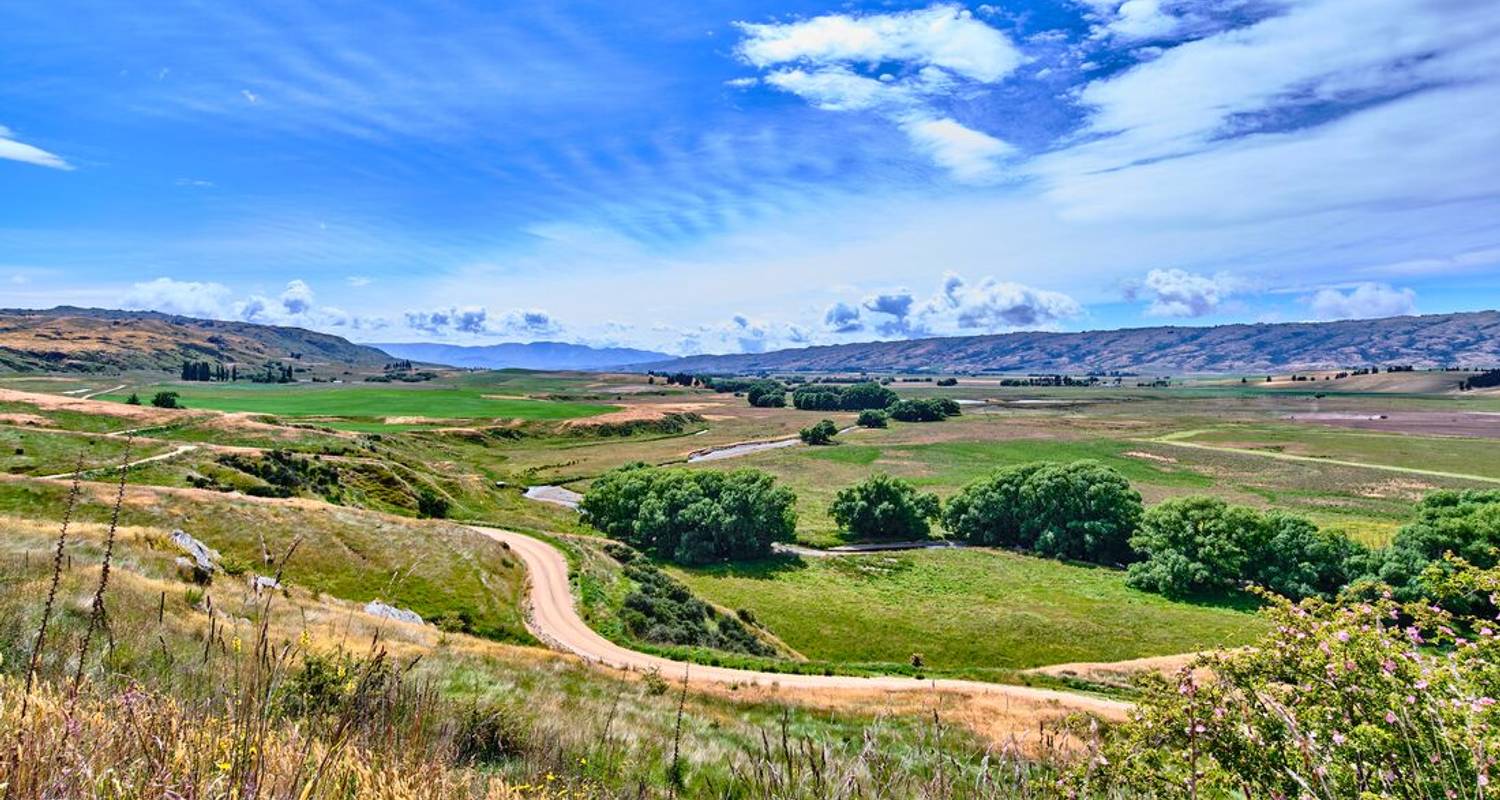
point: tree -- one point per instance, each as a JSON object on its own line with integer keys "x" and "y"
{"x": 691, "y": 516}
{"x": 766, "y": 394}
{"x": 1195, "y": 545}
{"x": 821, "y": 433}
{"x": 883, "y": 507}
{"x": 431, "y": 505}
{"x": 1082, "y": 511}
{"x": 1297, "y": 560}
{"x": 860, "y": 396}
{"x": 872, "y": 418}
{"x": 133, "y": 400}
{"x": 166, "y": 400}
{"x": 1465, "y": 523}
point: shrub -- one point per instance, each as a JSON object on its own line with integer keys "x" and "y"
{"x": 821, "y": 433}
{"x": 166, "y": 400}
{"x": 133, "y": 400}
{"x": 1365, "y": 698}
{"x": 1083, "y": 511}
{"x": 871, "y": 418}
{"x": 431, "y": 505}
{"x": 947, "y": 381}
{"x": 689, "y": 516}
{"x": 883, "y": 507}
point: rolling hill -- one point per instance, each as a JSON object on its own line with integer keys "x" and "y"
{"x": 1467, "y": 339}
{"x": 94, "y": 340}
{"x": 515, "y": 355}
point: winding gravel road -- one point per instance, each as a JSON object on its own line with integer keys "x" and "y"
{"x": 553, "y": 619}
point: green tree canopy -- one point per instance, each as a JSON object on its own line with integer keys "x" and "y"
{"x": 692, "y": 516}
{"x": 1083, "y": 511}
{"x": 820, "y": 433}
{"x": 883, "y": 507}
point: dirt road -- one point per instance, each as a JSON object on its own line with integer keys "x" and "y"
{"x": 553, "y": 619}
{"x": 187, "y": 448}
{"x": 1175, "y": 440}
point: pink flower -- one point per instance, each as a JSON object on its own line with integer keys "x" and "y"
{"x": 1390, "y": 717}
{"x": 1338, "y": 738}
{"x": 1343, "y": 636}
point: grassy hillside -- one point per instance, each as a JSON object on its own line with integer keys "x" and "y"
{"x": 102, "y": 340}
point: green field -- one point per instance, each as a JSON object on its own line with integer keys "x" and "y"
{"x": 964, "y": 609}
{"x": 369, "y": 402}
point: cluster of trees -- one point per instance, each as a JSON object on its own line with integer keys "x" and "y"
{"x": 821, "y": 433}
{"x": 854, "y": 397}
{"x": 872, "y": 418}
{"x": 274, "y": 372}
{"x": 766, "y": 394}
{"x": 1082, "y": 511}
{"x": 690, "y": 516}
{"x": 1201, "y": 545}
{"x": 161, "y": 400}
{"x": 204, "y": 371}
{"x": 924, "y": 409}
{"x": 1483, "y": 380}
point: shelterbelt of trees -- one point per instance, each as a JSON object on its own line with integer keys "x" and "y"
{"x": 1080, "y": 511}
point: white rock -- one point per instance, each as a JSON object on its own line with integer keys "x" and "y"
{"x": 379, "y": 609}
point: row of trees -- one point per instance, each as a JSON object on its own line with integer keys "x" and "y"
{"x": 853, "y": 397}
{"x": 924, "y": 409}
{"x": 1081, "y": 511}
{"x": 692, "y": 516}
{"x": 204, "y": 371}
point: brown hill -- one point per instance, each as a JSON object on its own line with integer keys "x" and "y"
{"x": 1439, "y": 340}
{"x": 95, "y": 340}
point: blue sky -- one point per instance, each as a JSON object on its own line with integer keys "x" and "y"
{"x": 736, "y": 176}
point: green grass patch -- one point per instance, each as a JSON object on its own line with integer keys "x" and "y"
{"x": 369, "y": 402}
{"x": 979, "y": 609}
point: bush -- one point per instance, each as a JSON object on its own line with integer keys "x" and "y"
{"x": 1083, "y": 511}
{"x": 883, "y": 507}
{"x": 133, "y": 400}
{"x": 431, "y": 505}
{"x": 947, "y": 381}
{"x": 766, "y": 394}
{"x": 690, "y": 516}
{"x": 166, "y": 400}
{"x": 663, "y": 611}
{"x": 924, "y": 409}
{"x": 821, "y": 433}
{"x": 871, "y": 418}
{"x": 1366, "y": 698}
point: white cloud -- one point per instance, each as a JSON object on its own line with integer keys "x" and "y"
{"x": 12, "y": 150}
{"x": 1365, "y": 301}
{"x": 187, "y": 298}
{"x": 994, "y": 305}
{"x": 297, "y": 298}
{"x": 358, "y": 281}
{"x": 1176, "y": 293}
{"x": 969, "y": 154}
{"x": 944, "y": 36}
{"x": 922, "y": 57}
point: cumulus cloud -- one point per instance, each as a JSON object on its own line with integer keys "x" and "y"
{"x": 297, "y": 298}
{"x": 899, "y": 65}
{"x": 1364, "y": 301}
{"x": 1176, "y": 293}
{"x": 534, "y": 322}
{"x": 842, "y": 317}
{"x": 187, "y": 298}
{"x": 13, "y": 150}
{"x": 994, "y": 305}
{"x": 442, "y": 321}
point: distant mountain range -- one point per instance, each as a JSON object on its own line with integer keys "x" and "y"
{"x": 94, "y": 339}
{"x": 533, "y": 355}
{"x": 1438, "y": 340}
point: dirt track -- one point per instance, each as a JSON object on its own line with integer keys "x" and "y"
{"x": 553, "y": 619}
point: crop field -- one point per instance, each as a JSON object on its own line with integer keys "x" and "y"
{"x": 975, "y": 609}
